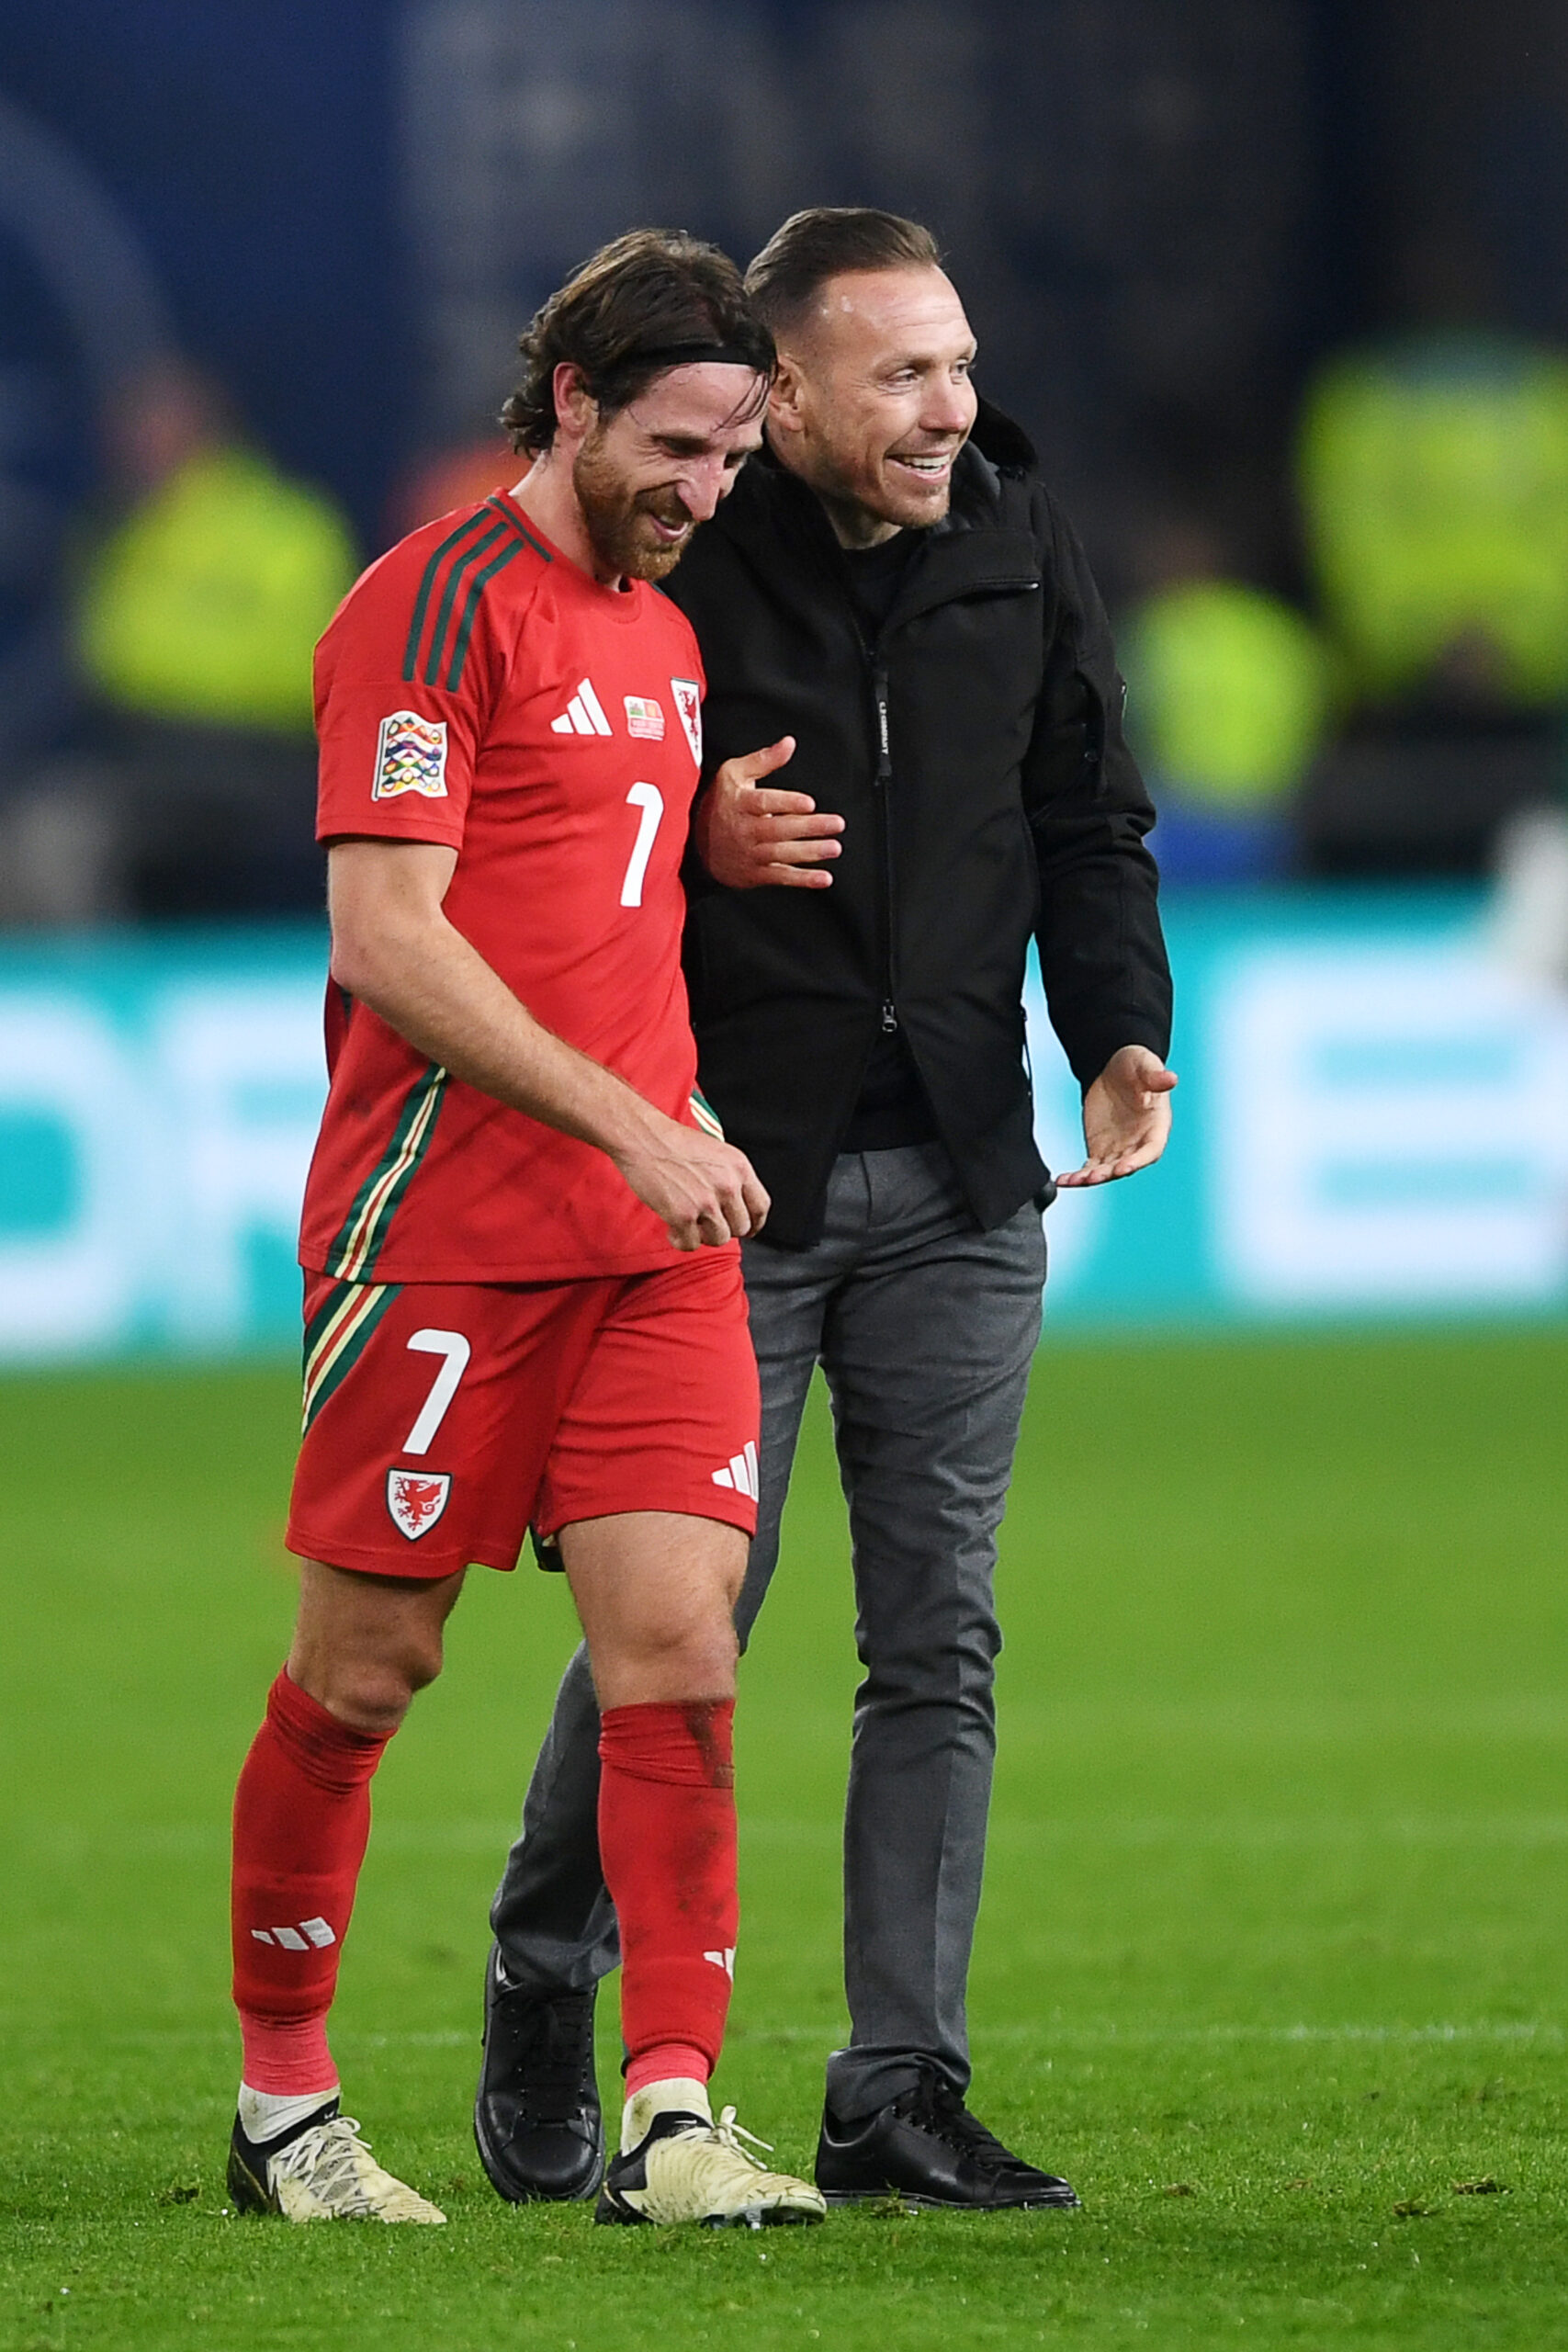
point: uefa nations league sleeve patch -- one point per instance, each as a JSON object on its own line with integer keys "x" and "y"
{"x": 410, "y": 756}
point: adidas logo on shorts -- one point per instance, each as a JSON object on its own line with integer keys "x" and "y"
{"x": 741, "y": 1473}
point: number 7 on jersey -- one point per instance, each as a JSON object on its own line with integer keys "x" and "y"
{"x": 651, "y": 800}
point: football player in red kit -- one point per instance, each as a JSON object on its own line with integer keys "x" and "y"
{"x": 524, "y": 1304}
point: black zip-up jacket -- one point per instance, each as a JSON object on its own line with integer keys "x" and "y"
{"x": 976, "y": 754}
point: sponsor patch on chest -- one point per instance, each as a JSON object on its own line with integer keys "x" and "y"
{"x": 410, "y": 756}
{"x": 644, "y": 717}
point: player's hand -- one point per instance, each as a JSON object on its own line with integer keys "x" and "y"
{"x": 706, "y": 1191}
{"x": 750, "y": 835}
{"x": 1126, "y": 1117}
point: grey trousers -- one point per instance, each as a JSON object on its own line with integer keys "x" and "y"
{"x": 925, "y": 1328}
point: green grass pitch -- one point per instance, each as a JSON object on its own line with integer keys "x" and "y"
{"x": 1274, "y": 1945}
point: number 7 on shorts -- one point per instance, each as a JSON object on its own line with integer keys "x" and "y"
{"x": 455, "y": 1348}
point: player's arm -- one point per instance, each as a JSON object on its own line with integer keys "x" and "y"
{"x": 394, "y": 948}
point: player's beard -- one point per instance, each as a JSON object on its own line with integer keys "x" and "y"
{"x": 614, "y": 516}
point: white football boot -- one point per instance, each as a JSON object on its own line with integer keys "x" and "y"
{"x": 322, "y": 2171}
{"x": 678, "y": 2164}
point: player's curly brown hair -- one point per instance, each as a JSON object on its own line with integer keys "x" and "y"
{"x": 645, "y": 302}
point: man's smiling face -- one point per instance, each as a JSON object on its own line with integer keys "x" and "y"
{"x": 873, "y": 400}
{"x": 660, "y": 466}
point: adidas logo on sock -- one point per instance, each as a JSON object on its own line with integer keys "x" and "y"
{"x": 741, "y": 1473}
{"x": 583, "y": 715}
{"x": 300, "y": 1938}
{"x": 724, "y": 1960}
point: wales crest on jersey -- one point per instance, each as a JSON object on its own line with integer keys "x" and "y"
{"x": 689, "y": 703}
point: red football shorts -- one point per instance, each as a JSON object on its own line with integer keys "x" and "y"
{"x": 443, "y": 1419}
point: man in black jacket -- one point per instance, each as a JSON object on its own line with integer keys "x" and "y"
{"x": 894, "y": 603}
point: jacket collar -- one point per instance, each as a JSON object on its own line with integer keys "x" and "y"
{"x": 972, "y": 547}
{"x": 770, "y": 498}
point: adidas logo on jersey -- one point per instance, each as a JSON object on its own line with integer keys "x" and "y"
{"x": 300, "y": 1938}
{"x": 740, "y": 1473}
{"x": 583, "y": 715}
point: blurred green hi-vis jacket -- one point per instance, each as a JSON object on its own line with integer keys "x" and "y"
{"x": 1434, "y": 481}
{"x": 205, "y": 605}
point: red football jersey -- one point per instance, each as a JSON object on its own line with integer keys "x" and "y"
{"x": 476, "y": 688}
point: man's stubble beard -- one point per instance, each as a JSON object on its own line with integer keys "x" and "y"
{"x": 611, "y": 515}
{"x": 837, "y": 486}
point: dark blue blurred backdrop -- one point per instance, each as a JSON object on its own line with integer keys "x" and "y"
{"x": 1161, "y": 213}
{"x": 1160, "y": 216}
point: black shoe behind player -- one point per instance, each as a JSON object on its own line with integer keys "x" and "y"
{"x": 927, "y": 2148}
{"x": 536, "y": 2118}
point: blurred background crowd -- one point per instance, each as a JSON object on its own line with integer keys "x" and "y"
{"x": 1279, "y": 287}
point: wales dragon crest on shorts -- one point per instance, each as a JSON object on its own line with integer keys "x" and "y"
{"x": 416, "y": 1499}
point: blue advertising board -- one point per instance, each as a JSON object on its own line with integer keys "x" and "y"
{"x": 1372, "y": 1120}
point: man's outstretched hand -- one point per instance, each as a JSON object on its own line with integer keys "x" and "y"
{"x": 1126, "y": 1117}
{"x": 750, "y": 835}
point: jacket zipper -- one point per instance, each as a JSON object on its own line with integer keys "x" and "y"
{"x": 885, "y": 810}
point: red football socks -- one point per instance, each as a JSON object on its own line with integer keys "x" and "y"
{"x": 301, "y": 1820}
{"x": 667, "y": 1842}
{"x": 668, "y": 2062}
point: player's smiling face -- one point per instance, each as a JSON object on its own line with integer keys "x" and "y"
{"x": 874, "y": 399}
{"x": 649, "y": 475}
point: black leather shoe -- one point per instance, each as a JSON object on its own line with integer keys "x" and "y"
{"x": 536, "y": 2118}
{"x": 927, "y": 2148}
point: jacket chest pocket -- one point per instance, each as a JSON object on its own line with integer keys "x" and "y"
{"x": 970, "y": 674}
